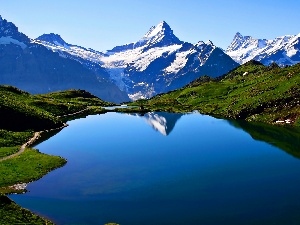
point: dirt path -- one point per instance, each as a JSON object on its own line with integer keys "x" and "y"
{"x": 37, "y": 135}
{"x": 71, "y": 114}
{"x": 22, "y": 149}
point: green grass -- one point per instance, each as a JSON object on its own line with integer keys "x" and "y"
{"x": 251, "y": 92}
{"x": 12, "y": 139}
{"x": 6, "y": 151}
{"x": 11, "y": 213}
{"x": 66, "y": 102}
{"x": 20, "y": 111}
{"x": 27, "y": 167}
{"x": 18, "y": 114}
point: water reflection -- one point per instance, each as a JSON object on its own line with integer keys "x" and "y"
{"x": 205, "y": 172}
{"x": 285, "y": 138}
{"x": 162, "y": 122}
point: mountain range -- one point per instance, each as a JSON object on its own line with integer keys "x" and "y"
{"x": 157, "y": 63}
{"x": 283, "y": 50}
{"x": 33, "y": 68}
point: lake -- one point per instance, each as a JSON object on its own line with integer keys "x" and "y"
{"x": 169, "y": 169}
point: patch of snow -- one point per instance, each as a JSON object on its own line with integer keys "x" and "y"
{"x": 179, "y": 62}
{"x": 59, "y": 44}
{"x": 147, "y": 93}
{"x": 141, "y": 84}
{"x": 136, "y": 96}
{"x": 136, "y": 57}
{"x": 77, "y": 51}
{"x": 10, "y": 40}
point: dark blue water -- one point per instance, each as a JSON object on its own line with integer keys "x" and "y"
{"x": 189, "y": 169}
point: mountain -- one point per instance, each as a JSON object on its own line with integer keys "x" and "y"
{"x": 283, "y": 50}
{"x": 33, "y": 68}
{"x": 157, "y": 63}
{"x": 252, "y": 92}
{"x": 163, "y": 122}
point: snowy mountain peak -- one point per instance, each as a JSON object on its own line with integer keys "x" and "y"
{"x": 53, "y": 39}
{"x": 283, "y": 50}
{"x": 209, "y": 42}
{"x": 158, "y": 36}
{"x": 199, "y": 43}
{"x": 160, "y": 29}
{"x": 237, "y": 42}
{"x": 238, "y": 35}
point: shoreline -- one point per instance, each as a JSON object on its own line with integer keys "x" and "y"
{"x": 30, "y": 142}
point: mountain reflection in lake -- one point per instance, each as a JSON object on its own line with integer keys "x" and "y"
{"x": 201, "y": 171}
{"x": 162, "y": 122}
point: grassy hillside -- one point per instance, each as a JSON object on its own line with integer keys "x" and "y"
{"x": 21, "y": 111}
{"x": 11, "y": 213}
{"x": 17, "y": 113}
{"x": 67, "y": 102}
{"x": 251, "y": 92}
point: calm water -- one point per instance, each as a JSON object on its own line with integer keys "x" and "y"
{"x": 168, "y": 169}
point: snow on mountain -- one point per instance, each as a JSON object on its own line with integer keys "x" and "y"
{"x": 9, "y": 40}
{"x": 29, "y": 65}
{"x": 157, "y": 63}
{"x": 158, "y": 36}
{"x": 283, "y": 50}
{"x": 160, "y": 62}
{"x": 55, "y": 43}
{"x": 54, "y": 39}
{"x": 9, "y": 34}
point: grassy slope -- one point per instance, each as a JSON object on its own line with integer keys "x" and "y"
{"x": 21, "y": 111}
{"x": 11, "y": 213}
{"x": 27, "y": 167}
{"x": 265, "y": 94}
{"x": 66, "y": 102}
{"x": 20, "y": 115}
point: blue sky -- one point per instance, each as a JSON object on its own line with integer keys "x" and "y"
{"x": 103, "y": 24}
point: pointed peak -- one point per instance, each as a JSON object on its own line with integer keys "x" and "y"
{"x": 9, "y": 29}
{"x": 199, "y": 43}
{"x": 237, "y": 42}
{"x": 158, "y": 36}
{"x": 163, "y": 24}
{"x": 209, "y": 42}
{"x": 238, "y": 34}
{"x": 52, "y": 38}
{"x": 160, "y": 28}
